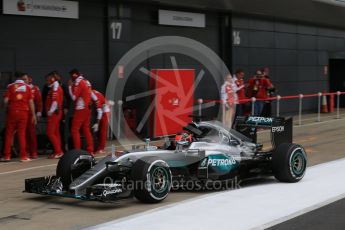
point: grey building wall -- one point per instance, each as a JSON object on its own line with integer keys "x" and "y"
{"x": 296, "y": 53}
{"x": 139, "y": 23}
{"x": 42, "y": 44}
{"x": 310, "y": 11}
{"x": 39, "y": 45}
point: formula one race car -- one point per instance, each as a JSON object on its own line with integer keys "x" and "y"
{"x": 206, "y": 153}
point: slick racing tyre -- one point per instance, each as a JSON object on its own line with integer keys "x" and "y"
{"x": 289, "y": 162}
{"x": 152, "y": 179}
{"x": 72, "y": 164}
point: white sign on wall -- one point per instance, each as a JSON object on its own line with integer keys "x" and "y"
{"x": 44, "y": 8}
{"x": 178, "y": 18}
{"x": 236, "y": 37}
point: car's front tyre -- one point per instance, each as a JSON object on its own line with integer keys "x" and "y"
{"x": 72, "y": 164}
{"x": 152, "y": 179}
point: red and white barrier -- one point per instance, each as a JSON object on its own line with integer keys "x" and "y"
{"x": 322, "y": 102}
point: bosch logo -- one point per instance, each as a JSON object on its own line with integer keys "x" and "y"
{"x": 278, "y": 129}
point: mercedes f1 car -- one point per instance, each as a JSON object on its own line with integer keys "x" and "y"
{"x": 205, "y": 153}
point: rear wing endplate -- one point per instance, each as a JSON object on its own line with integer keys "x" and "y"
{"x": 280, "y": 127}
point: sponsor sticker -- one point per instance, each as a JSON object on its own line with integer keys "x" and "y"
{"x": 111, "y": 192}
{"x": 203, "y": 163}
{"x": 221, "y": 162}
{"x": 21, "y": 88}
{"x": 260, "y": 120}
{"x": 278, "y": 129}
{"x": 19, "y": 97}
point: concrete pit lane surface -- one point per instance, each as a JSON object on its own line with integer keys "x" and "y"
{"x": 323, "y": 141}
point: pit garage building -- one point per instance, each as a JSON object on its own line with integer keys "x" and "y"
{"x": 301, "y": 41}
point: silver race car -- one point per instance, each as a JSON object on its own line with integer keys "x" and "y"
{"x": 205, "y": 154}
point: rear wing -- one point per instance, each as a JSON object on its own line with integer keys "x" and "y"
{"x": 281, "y": 128}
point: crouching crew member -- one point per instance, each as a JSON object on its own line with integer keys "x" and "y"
{"x": 31, "y": 137}
{"x": 81, "y": 95}
{"x": 53, "y": 106}
{"x": 19, "y": 103}
{"x": 101, "y": 125}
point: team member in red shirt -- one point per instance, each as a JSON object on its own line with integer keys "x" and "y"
{"x": 54, "y": 104}
{"x": 102, "y": 119}
{"x": 267, "y": 111}
{"x": 80, "y": 93}
{"x": 31, "y": 137}
{"x": 19, "y": 103}
{"x": 259, "y": 87}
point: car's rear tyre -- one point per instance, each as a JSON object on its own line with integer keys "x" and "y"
{"x": 70, "y": 166}
{"x": 152, "y": 179}
{"x": 289, "y": 162}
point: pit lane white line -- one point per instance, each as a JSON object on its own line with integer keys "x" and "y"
{"x": 252, "y": 207}
{"x": 31, "y": 168}
{"x": 27, "y": 169}
{"x": 43, "y": 158}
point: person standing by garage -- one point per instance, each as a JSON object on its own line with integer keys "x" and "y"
{"x": 240, "y": 91}
{"x": 31, "y": 137}
{"x": 101, "y": 126}
{"x": 267, "y": 109}
{"x": 80, "y": 93}
{"x": 53, "y": 105}
{"x": 18, "y": 101}
{"x": 228, "y": 98}
{"x": 259, "y": 87}
{"x": 67, "y": 111}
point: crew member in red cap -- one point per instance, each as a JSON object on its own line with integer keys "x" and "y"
{"x": 101, "y": 126}
{"x": 54, "y": 103}
{"x": 259, "y": 87}
{"x": 31, "y": 137}
{"x": 18, "y": 103}
{"x": 80, "y": 93}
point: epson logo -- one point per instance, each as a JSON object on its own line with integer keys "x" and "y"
{"x": 260, "y": 119}
{"x": 278, "y": 129}
{"x": 221, "y": 162}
